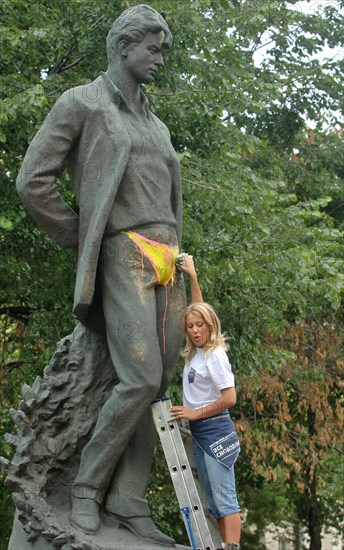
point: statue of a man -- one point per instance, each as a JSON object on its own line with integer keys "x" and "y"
{"x": 126, "y": 179}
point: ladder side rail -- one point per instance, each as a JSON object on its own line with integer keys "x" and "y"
{"x": 178, "y": 481}
{"x": 181, "y": 474}
{"x": 196, "y": 509}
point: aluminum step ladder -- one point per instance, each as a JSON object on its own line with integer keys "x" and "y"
{"x": 183, "y": 481}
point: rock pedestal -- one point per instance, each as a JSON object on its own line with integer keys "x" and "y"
{"x": 54, "y": 421}
{"x": 106, "y": 539}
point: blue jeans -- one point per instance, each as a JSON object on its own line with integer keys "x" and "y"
{"x": 218, "y": 483}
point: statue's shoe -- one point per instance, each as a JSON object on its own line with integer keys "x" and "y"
{"x": 142, "y": 527}
{"x": 85, "y": 515}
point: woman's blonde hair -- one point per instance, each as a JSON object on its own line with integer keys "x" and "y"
{"x": 216, "y": 337}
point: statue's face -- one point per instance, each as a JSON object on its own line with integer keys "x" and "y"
{"x": 143, "y": 60}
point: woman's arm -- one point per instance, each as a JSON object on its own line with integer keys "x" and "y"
{"x": 227, "y": 400}
{"x": 189, "y": 269}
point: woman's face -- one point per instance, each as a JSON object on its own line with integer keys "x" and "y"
{"x": 197, "y": 329}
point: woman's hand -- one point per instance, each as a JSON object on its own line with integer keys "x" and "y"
{"x": 227, "y": 400}
{"x": 189, "y": 267}
{"x": 183, "y": 412}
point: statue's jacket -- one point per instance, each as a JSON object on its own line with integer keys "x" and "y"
{"x": 84, "y": 131}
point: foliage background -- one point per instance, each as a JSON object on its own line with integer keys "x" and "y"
{"x": 254, "y": 115}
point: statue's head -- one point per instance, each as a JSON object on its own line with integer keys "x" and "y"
{"x": 133, "y": 25}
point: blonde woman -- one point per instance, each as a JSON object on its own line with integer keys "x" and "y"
{"x": 208, "y": 393}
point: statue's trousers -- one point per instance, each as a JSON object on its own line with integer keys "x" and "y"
{"x": 144, "y": 333}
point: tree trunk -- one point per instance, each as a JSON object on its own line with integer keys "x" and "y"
{"x": 314, "y": 522}
{"x": 297, "y": 538}
{"x": 314, "y": 513}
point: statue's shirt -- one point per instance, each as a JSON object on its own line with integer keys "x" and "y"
{"x": 144, "y": 194}
{"x": 123, "y": 169}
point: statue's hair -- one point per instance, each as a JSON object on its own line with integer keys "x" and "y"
{"x": 133, "y": 25}
{"x": 216, "y": 337}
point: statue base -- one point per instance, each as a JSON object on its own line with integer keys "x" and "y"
{"x": 54, "y": 423}
{"x": 107, "y": 538}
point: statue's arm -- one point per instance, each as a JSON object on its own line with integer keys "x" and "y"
{"x": 36, "y": 182}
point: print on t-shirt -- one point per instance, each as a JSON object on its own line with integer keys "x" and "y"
{"x": 191, "y": 375}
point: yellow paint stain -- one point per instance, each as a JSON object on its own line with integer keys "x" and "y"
{"x": 161, "y": 256}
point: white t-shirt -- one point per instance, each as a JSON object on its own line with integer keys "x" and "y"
{"x": 205, "y": 376}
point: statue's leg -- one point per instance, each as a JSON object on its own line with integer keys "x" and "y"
{"x": 128, "y": 298}
{"x": 130, "y": 312}
{"x": 127, "y": 491}
{"x": 170, "y": 327}
{"x": 125, "y": 496}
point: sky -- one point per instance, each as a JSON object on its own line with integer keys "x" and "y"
{"x": 311, "y": 7}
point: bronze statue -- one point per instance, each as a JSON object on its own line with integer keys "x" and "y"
{"x": 127, "y": 234}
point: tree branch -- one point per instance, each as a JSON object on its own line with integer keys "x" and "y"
{"x": 61, "y": 65}
{"x": 19, "y": 312}
{"x": 66, "y": 67}
{"x": 14, "y": 365}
